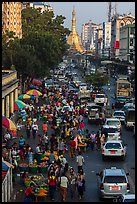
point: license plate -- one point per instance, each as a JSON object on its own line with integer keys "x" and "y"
{"x": 112, "y": 152}
{"x": 115, "y": 188}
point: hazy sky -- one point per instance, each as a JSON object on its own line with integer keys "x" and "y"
{"x": 85, "y": 11}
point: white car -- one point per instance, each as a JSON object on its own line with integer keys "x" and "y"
{"x": 111, "y": 131}
{"x": 120, "y": 115}
{"x": 83, "y": 86}
{"x": 113, "y": 121}
{"x": 100, "y": 99}
{"x": 114, "y": 148}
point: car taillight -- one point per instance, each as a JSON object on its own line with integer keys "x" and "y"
{"x": 128, "y": 186}
{"x": 102, "y": 151}
{"x": 122, "y": 151}
{"x": 102, "y": 186}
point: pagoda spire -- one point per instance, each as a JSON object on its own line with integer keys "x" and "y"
{"x": 73, "y": 20}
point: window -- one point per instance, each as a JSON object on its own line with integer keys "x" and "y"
{"x": 115, "y": 179}
{"x": 113, "y": 146}
{"x": 131, "y": 42}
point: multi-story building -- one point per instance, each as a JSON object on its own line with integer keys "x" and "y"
{"x": 99, "y": 41}
{"x": 9, "y": 91}
{"x": 88, "y": 35}
{"x": 11, "y": 17}
{"x": 117, "y": 22}
{"x": 127, "y": 43}
{"x": 43, "y": 5}
{"x": 106, "y": 39}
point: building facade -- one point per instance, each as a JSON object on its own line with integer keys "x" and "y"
{"x": 127, "y": 43}
{"x": 106, "y": 26}
{"x": 9, "y": 91}
{"x": 89, "y": 34}
{"x": 116, "y": 23}
{"x": 11, "y": 17}
{"x": 99, "y": 41}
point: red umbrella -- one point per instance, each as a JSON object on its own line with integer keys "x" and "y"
{"x": 7, "y": 123}
{"x": 36, "y": 82}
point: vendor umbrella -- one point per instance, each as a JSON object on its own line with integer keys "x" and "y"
{"x": 25, "y": 96}
{"x": 7, "y": 123}
{"x": 19, "y": 105}
{"x": 36, "y": 82}
{"x": 34, "y": 92}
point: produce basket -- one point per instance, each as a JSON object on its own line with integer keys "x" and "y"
{"x": 43, "y": 167}
{"x": 23, "y": 167}
{"x": 33, "y": 168}
{"x": 39, "y": 157}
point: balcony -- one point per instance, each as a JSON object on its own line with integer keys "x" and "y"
{"x": 8, "y": 76}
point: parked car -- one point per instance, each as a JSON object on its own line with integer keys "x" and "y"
{"x": 120, "y": 115}
{"x": 112, "y": 182}
{"x": 111, "y": 132}
{"x": 114, "y": 148}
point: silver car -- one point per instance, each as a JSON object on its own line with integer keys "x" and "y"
{"x": 112, "y": 182}
{"x": 120, "y": 115}
{"x": 114, "y": 148}
{"x": 111, "y": 131}
{"x": 113, "y": 121}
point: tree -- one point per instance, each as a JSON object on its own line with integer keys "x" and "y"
{"x": 42, "y": 46}
{"x": 97, "y": 79}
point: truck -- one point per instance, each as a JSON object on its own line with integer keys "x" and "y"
{"x": 130, "y": 118}
{"x": 123, "y": 88}
{"x": 100, "y": 99}
{"x": 92, "y": 114}
{"x": 84, "y": 96}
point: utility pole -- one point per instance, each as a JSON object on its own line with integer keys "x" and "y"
{"x": 109, "y": 11}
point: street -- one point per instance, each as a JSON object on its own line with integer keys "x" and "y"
{"x": 93, "y": 161}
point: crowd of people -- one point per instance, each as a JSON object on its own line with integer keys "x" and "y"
{"x": 63, "y": 129}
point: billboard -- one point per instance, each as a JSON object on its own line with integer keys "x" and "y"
{"x": 117, "y": 44}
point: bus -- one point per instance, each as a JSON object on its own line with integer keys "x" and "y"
{"x": 123, "y": 88}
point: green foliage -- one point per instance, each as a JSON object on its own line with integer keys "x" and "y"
{"x": 42, "y": 46}
{"x": 97, "y": 79}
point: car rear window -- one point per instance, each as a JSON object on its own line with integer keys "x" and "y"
{"x": 115, "y": 179}
{"x": 113, "y": 146}
{"x": 110, "y": 130}
{"x": 113, "y": 122}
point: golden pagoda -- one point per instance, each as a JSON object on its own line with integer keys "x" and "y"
{"x": 11, "y": 17}
{"x": 74, "y": 39}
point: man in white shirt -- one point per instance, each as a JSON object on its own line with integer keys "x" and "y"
{"x": 34, "y": 129}
{"x": 80, "y": 161}
{"x": 63, "y": 186}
